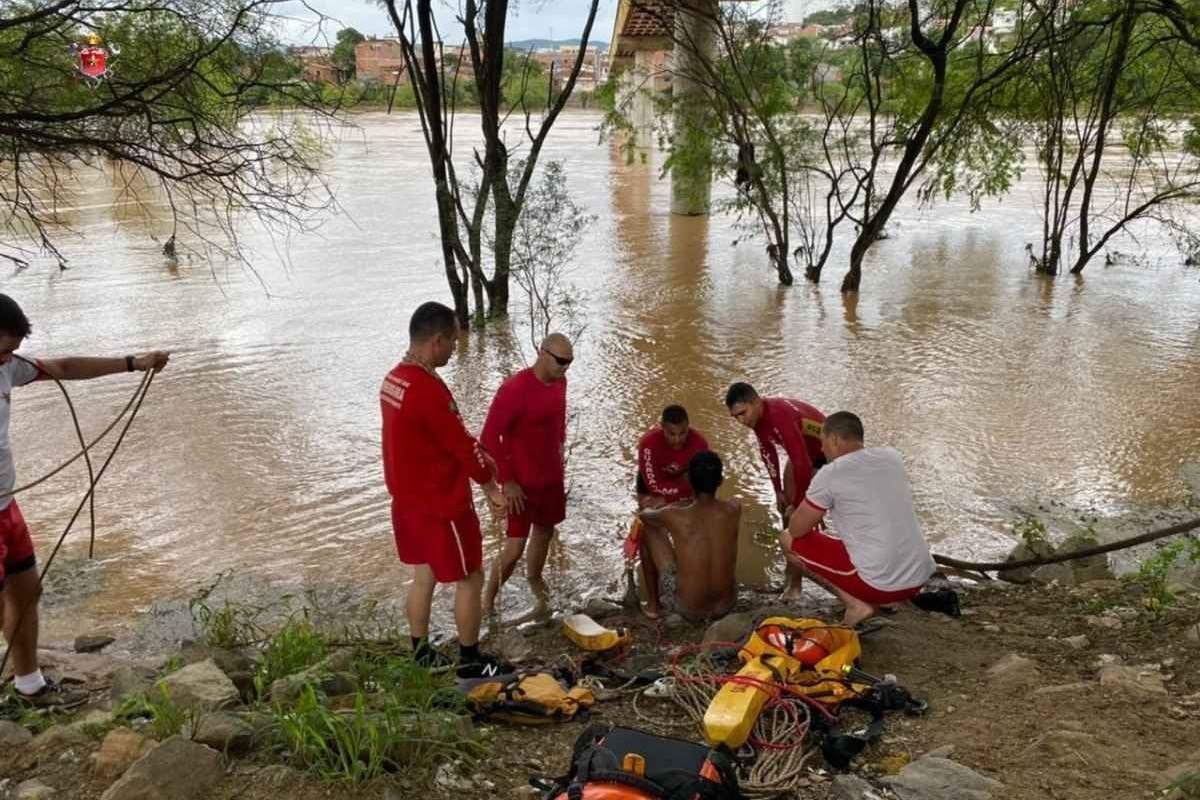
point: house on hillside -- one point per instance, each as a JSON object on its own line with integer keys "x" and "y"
{"x": 379, "y": 60}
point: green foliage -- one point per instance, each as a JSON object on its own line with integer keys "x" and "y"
{"x": 163, "y": 717}
{"x": 1152, "y": 574}
{"x": 831, "y": 16}
{"x": 405, "y": 726}
{"x": 296, "y": 646}
{"x": 343, "y": 51}
{"x": 224, "y": 625}
{"x": 1032, "y": 531}
{"x": 1185, "y": 787}
{"x": 172, "y": 664}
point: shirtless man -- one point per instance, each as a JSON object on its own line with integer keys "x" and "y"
{"x": 693, "y": 544}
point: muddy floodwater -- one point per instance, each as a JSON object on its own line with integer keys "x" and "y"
{"x": 258, "y": 449}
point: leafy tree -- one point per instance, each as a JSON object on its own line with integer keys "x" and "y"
{"x": 343, "y": 52}
{"x": 174, "y": 113}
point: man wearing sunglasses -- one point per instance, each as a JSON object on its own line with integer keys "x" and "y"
{"x": 526, "y": 431}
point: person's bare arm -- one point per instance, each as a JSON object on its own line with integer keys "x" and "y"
{"x": 81, "y": 368}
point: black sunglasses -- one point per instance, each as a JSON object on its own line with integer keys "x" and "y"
{"x": 562, "y": 362}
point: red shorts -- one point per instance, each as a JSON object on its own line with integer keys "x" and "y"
{"x": 451, "y": 548}
{"x": 545, "y": 506}
{"x": 826, "y": 557}
{"x": 16, "y": 548}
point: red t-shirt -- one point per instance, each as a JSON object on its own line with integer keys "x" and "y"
{"x": 663, "y": 470}
{"x": 428, "y": 456}
{"x": 526, "y": 430}
{"x": 797, "y": 427}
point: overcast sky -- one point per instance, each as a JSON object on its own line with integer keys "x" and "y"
{"x": 532, "y": 19}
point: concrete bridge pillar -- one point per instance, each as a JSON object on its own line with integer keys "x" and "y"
{"x": 695, "y": 48}
{"x": 636, "y": 97}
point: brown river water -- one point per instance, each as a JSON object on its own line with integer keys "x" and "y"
{"x": 258, "y": 449}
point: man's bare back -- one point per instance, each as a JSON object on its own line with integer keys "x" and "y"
{"x": 701, "y": 551}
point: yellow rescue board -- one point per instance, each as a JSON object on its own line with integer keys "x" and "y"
{"x": 591, "y": 635}
{"x": 735, "y": 708}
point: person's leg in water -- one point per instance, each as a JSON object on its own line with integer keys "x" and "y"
{"x": 660, "y": 593}
{"x": 510, "y": 554}
{"x": 793, "y": 577}
{"x": 540, "y": 537}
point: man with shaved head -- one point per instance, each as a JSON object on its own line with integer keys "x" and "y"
{"x": 526, "y": 431}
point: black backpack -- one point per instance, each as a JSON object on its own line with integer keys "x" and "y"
{"x": 627, "y": 763}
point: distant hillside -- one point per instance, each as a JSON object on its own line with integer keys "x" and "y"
{"x": 554, "y": 44}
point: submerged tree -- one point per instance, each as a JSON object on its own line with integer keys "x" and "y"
{"x": 1116, "y": 86}
{"x": 174, "y": 112}
{"x": 502, "y": 81}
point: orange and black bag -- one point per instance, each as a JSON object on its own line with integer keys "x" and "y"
{"x": 614, "y": 763}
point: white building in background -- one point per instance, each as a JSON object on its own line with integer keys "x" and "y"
{"x": 1004, "y": 22}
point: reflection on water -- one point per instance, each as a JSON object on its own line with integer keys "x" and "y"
{"x": 258, "y": 449}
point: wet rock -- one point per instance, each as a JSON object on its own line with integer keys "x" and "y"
{"x": 1183, "y": 576}
{"x": 93, "y": 643}
{"x": 228, "y": 661}
{"x": 332, "y": 675}
{"x": 1020, "y": 553}
{"x": 223, "y": 732}
{"x": 730, "y": 628}
{"x": 244, "y": 683}
{"x": 13, "y": 735}
{"x": 1076, "y": 642}
{"x": 175, "y": 770}
{"x": 1137, "y": 679}
{"x": 599, "y": 608}
{"x": 1012, "y": 669}
{"x": 512, "y": 646}
{"x": 852, "y": 787}
{"x": 1106, "y": 621}
{"x": 1191, "y": 476}
{"x": 130, "y": 682}
{"x": 117, "y": 752}
{"x": 1092, "y": 568}
{"x": 941, "y": 779}
{"x": 33, "y": 790}
{"x": 60, "y": 737}
{"x": 201, "y": 687}
{"x": 93, "y": 720}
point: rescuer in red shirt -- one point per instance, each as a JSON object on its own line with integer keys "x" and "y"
{"x": 429, "y": 460}
{"x": 526, "y": 431}
{"x": 663, "y": 454}
{"x": 794, "y": 425}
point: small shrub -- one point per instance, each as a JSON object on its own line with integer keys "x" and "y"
{"x": 297, "y": 646}
{"x": 380, "y": 734}
{"x": 162, "y": 716}
{"x": 1032, "y": 531}
{"x": 1152, "y": 574}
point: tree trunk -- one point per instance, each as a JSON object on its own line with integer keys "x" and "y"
{"x": 1112, "y": 78}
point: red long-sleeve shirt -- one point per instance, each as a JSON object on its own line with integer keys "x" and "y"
{"x": 663, "y": 470}
{"x": 428, "y": 456}
{"x": 526, "y": 430}
{"x": 797, "y": 427}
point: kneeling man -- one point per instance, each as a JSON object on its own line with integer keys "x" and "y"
{"x": 693, "y": 545}
{"x": 878, "y": 556}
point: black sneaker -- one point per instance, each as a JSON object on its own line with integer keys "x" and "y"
{"x": 52, "y": 695}
{"x": 429, "y": 657}
{"x": 485, "y": 667}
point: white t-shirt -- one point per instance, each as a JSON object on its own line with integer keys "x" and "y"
{"x": 867, "y": 497}
{"x": 15, "y": 373}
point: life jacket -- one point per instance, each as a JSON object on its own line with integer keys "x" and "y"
{"x": 615, "y": 763}
{"x": 536, "y": 698}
